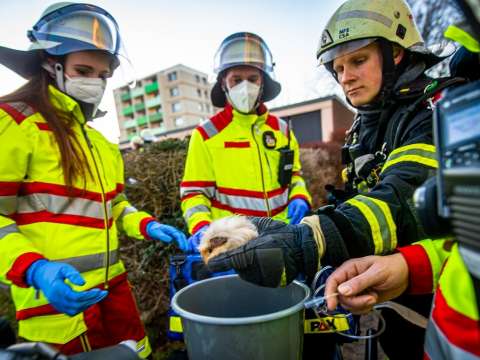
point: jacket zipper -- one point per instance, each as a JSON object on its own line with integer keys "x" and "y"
{"x": 265, "y": 197}
{"x": 104, "y": 203}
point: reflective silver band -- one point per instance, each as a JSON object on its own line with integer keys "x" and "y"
{"x": 194, "y": 210}
{"x": 90, "y": 262}
{"x": 7, "y": 230}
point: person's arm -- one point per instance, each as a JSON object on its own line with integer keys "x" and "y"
{"x": 198, "y": 185}
{"x": 22, "y": 264}
{"x": 377, "y": 222}
{"x": 300, "y": 201}
{"x": 364, "y": 282}
{"x": 140, "y": 224}
{"x": 18, "y": 252}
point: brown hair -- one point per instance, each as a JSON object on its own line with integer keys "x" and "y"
{"x": 73, "y": 159}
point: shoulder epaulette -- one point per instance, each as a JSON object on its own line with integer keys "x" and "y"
{"x": 215, "y": 124}
{"x": 19, "y": 111}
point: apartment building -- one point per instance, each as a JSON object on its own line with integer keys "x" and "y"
{"x": 170, "y": 103}
{"x": 316, "y": 120}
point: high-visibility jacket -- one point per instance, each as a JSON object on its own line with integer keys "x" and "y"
{"x": 232, "y": 168}
{"x": 443, "y": 266}
{"x": 39, "y": 218}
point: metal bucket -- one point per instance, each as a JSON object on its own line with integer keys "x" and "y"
{"x": 227, "y": 318}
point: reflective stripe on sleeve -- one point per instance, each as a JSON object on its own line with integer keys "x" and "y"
{"x": 418, "y": 153}
{"x": 7, "y": 230}
{"x": 379, "y": 217}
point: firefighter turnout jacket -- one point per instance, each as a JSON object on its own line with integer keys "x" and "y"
{"x": 232, "y": 167}
{"x": 391, "y": 153}
{"x": 40, "y": 218}
{"x": 445, "y": 267}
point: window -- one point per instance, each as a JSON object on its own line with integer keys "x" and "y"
{"x": 206, "y": 93}
{"x": 200, "y": 107}
{"x": 207, "y": 107}
{"x": 204, "y": 79}
{"x": 179, "y": 121}
{"x": 199, "y": 93}
{"x": 197, "y": 78}
{"x": 176, "y": 107}
{"x": 172, "y": 76}
{"x": 174, "y": 91}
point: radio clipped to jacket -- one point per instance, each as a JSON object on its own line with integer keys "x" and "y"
{"x": 455, "y": 192}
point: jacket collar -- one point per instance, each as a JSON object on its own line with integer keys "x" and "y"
{"x": 249, "y": 119}
{"x": 65, "y": 103}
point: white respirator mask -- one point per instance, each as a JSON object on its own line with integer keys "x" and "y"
{"x": 244, "y": 96}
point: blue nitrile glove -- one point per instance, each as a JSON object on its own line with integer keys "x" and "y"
{"x": 194, "y": 240}
{"x": 167, "y": 234}
{"x": 297, "y": 210}
{"x": 50, "y": 278}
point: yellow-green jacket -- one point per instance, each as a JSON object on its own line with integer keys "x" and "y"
{"x": 443, "y": 266}
{"x": 38, "y": 218}
{"x": 232, "y": 168}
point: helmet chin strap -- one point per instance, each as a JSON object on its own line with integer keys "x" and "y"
{"x": 59, "y": 76}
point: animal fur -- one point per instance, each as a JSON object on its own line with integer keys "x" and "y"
{"x": 226, "y": 234}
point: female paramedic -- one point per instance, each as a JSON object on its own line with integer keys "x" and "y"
{"x": 61, "y": 182}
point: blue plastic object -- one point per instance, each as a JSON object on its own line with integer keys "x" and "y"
{"x": 167, "y": 234}
{"x": 50, "y": 278}
{"x": 194, "y": 240}
{"x": 297, "y": 209}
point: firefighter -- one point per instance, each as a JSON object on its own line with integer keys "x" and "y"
{"x": 448, "y": 268}
{"x": 61, "y": 189}
{"x": 243, "y": 160}
{"x": 376, "y": 53}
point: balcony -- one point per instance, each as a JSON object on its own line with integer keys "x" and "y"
{"x": 156, "y": 101}
{"x": 139, "y": 106}
{"x": 158, "y": 130}
{"x": 142, "y": 120}
{"x": 137, "y": 92}
{"x": 126, "y": 96}
{"x": 127, "y": 110}
{"x": 150, "y": 88}
{"x": 129, "y": 124}
{"x": 155, "y": 117}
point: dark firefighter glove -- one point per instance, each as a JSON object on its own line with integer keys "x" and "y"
{"x": 277, "y": 255}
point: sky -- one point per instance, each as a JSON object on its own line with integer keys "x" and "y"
{"x": 162, "y": 33}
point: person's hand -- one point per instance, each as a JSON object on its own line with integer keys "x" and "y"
{"x": 297, "y": 209}
{"x": 194, "y": 240}
{"x": 273, "y": 259}
{"x": 50, "y": 278}
{"x": 167, "y": 234}
{"x": 364, "y": 282}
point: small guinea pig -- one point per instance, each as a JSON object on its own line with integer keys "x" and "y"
{"x": 226, "y": 234}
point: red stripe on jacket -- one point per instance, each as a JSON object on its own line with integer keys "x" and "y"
{"x": 420, "y": 274}
{"x": 220, "y": 121}
{"x": 247, "y": 212}
{"x": 17, "y": 273}
{"x": 236, "y": 144}
{"x": 197, "y": 183}
{"x": 14, "y": 113}
{"x": 8, "y": 188}
{"x": 459, "y": 329}
{"x": 251, "y": 193}
{"x": 62, "y": 190}
{"x": 46, "y": 216}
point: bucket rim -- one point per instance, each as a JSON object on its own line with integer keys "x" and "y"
{"x": 237, "y": 321}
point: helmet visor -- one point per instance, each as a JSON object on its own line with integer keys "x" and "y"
{"x": 243, "y": 50}
{"x": 81, "y": 27}
{"x": 75, "y": 28}
{"x": 342, "y": 49}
